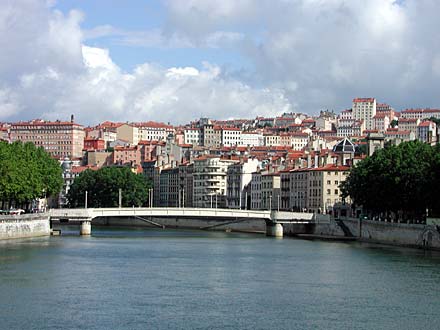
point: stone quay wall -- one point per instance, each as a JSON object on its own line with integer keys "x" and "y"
{"x": 25, "y": 225}
{"x": 402, "y": 234}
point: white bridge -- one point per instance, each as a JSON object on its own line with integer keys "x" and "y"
{"x": 273, "y": 219}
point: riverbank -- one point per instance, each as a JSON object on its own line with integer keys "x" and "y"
{"x": 380, "y": 232}
{"x": 24, "y": 225}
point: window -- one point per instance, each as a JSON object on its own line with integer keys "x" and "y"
{"x": 336, "y": 192}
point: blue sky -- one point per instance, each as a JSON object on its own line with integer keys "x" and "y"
{"x": 143, "y": 15}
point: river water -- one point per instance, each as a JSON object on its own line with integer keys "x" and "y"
{"x": 169, "y": 279}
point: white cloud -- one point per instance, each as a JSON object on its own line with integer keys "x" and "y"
{"x": 54, "y": 74}
{"x": 307, "y": 55}
{"x": 330, "y": 50}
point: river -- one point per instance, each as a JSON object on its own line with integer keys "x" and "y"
{"x": 177, "y": 279}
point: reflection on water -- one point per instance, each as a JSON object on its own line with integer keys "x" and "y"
{"x": 170, "y": 279}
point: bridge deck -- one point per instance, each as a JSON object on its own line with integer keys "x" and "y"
{"x": 269, "y": 216}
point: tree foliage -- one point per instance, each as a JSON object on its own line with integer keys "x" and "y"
{"x": 27, "y": 173}
{"x": 103, "y": 186}
{"x": 398, "y": 179}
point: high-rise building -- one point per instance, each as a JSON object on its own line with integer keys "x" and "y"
{"x": 365, "y": 109}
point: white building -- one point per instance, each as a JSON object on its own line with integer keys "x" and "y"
{"x": 209, "y": 179}
{"x": 427, "y": 132}
{"x": 153, "y": 131}
{"x": 364, "y": 109}
{"x": 251, "y": 139}
{"x": 239, "y": 178}
{"x": 192, "y": 136}
{"x": 231, "y": 136}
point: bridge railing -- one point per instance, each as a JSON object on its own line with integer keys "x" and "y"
{"x": 273, "y": 216}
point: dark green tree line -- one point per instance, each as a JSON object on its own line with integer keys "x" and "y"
{"x": 103, "y": 186}
{"x": 401, "y": 180}
{"x": 27, "y": 173}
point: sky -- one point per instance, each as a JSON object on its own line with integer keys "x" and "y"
{"x": 178, "y": 60}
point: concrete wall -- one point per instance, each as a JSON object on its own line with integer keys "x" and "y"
{"x": 248, "y": 225}
{"x": 26, "y": 225}
{"x": 413, "y": 235}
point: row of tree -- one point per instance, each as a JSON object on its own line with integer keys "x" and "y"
{"x": 103, "y": 185}
{"x": 402, "y": 180}
{"x": 27, "y": 173}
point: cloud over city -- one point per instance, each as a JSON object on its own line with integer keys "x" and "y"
{"x": 300, "y": 55}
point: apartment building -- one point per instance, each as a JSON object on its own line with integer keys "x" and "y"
{"x": 60, "y": 139}
{"x": 192, "y": 136}
{"x": 238, "y": 181}
{"x": 420, "y": 113}
{"x": 169, "y": 187}
{"x": 251, "y": 139}
{"x": 153, "y": 131}
{"x": 209, "y": 177}
{"x": 186, "y": 184}
{"x": 364, "y": 109}
{"x": 427, "y": 132}
{"x": 270, "y": 191}
{"x": 128, "y": 132}
{"x": 256, "y": 191}
{"x": 317, "y": 189}
{"x": 230, "y": 136}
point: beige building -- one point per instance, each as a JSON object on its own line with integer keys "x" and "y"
{"x": 211, "y": 136}
{"x": 365, "y": 109}
{"x": 128, "y": 133}
{"x": 317, "y": 189}
{"x": 272, "y": 140}
{"x": 60, "y": 139}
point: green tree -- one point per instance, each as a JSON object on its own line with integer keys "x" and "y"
{"x": 394, "y": 123}
{"x": 27, "y": 173}
{"x": 397, "y": 179}
{"x": 103, "y": 188}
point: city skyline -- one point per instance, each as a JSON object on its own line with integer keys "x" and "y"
{"x": 174, "y": 61}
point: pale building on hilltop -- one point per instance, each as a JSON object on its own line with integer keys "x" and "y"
{"x": 211, "y": 135}
{"x": 420, "y": 113}
{"x": 251, "y": 139}
{"x": 364, "y": 109}
{"x": 427, "y": 132}
{"x": 153, "y": 131}
{"x": 271, "y": 139}
{"x": 230, "y": 136}
{"x": 193, "y": 135}
{"x": 381, "y": 122}
{"x": 408, "y": 124}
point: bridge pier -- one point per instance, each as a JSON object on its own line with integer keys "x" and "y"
{"x": 85, "y": 227}
{"x": 274, "y": 229}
